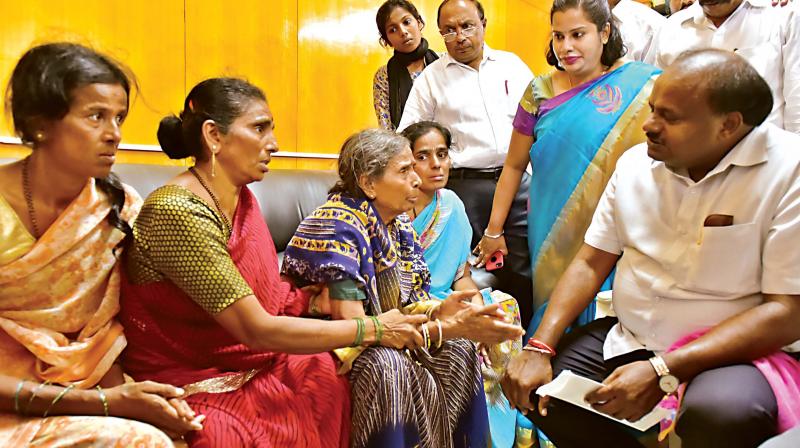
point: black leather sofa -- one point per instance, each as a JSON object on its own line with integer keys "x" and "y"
{"x": 285, "y": 196}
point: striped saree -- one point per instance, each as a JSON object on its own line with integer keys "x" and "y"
{"x": 399, "y": 398}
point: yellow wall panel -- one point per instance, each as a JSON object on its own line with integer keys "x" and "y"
{"x": 527, "y": 29}
{"x": 148, "y": 38}
{"x": 252, "y": 39}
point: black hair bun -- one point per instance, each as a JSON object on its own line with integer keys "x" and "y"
{"x": 170, "y": 137}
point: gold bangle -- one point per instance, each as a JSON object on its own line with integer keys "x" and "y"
{"x": 441, "y": 335}
{"x": 58, "y": 398}
{"x": 33, "y": 395}
{"x": 16, "y": 395}
{"x": 103, "y": 399}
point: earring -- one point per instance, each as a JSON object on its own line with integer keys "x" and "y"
{"x": 39, "y": 136}
{"x": 213, "y": 164}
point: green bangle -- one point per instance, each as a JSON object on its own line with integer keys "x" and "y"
{"x": 378, "y": 329}
{"x": 103, "y": 399}
{"x": 58, "y": 398}
{"x": 359, "y": 332}
{"x": 16, "y": 395}
{"x": 33, "y": 395}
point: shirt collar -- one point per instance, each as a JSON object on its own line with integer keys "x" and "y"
{"x": 699, "y": 17}
{"x": 750, "y": 151}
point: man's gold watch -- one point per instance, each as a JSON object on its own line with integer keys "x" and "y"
{"x": 666, "y": 381}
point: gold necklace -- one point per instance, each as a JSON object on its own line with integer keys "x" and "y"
{"x": 225, "y": 221}
{"x": 26, "y": 191}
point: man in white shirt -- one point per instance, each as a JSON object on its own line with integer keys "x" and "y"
{"x": 638, "y": 25}
{"x": 474, "y": 91}
{"x": 702, "y": 224}
{"x": 767, "y": 37}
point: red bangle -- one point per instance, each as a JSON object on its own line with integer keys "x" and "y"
{"x": 537, "y": 344}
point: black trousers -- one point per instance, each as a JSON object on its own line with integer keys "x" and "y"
{"x": 727, "y": 407}
{"x": 515, "y": 276}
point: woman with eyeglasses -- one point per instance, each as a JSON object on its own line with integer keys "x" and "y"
{"x": 572, "y": 125}
{"x": 400, "y": 26}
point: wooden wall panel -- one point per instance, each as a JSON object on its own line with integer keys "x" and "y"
{"x": 253, "y": 39}
{"x": 315, "y": 59}
{"x": 527, "y": 31}
{"x": 147, "y": 37}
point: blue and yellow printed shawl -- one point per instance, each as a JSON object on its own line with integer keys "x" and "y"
{"x": 345, "y": 239}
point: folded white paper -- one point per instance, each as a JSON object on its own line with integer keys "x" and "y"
{"x": 573, "y": 388}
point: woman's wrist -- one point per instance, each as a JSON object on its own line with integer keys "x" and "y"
{"x": 494, "y": 229}
{"x": 370, "y": 332}
{"x": 450, "y": 329}
{"x": 36, "y": 400}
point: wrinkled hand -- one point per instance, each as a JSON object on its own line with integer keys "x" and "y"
{"x": 320, "y": 301}
{"x": 485, "y": 324}
{"x": 454, "y": 303}
{"x": 154, "y": 403}
{"x": 488, "y": 246}
{"x": 524, "y": 374}
{"x": 630, "y": 392}
{"x": 400, "y": 330}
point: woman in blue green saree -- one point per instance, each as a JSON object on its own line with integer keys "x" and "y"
{"x": 444, "y": 232}
{"x": 572, "y": 125}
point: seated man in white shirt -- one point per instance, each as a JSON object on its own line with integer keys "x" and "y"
{"x": 473, "y": 90}
{"x": 702, "y": 224}
{"x": 767, "y": 37}
{"x": 638, "y": 25}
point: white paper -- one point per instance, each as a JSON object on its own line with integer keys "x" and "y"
{"x": 573, "y": 388}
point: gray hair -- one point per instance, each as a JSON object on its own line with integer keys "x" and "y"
{"x": 366, "y": 153}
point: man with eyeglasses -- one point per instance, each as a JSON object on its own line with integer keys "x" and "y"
{"x": 474, "y": 91}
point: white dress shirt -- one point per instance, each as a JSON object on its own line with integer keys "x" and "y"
{"x": 478, "y": 106}
{"x": 638, "y": 25}
{"x": 769, "y": 38}
{"x": 677, "y": 275}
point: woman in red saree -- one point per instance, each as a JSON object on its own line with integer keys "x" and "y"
{"x": 203, "y": 304}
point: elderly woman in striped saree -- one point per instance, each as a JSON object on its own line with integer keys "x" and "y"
{"x": 361, "y": 244}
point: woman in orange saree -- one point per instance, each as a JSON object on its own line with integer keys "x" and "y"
{"x": 63, "y": 216}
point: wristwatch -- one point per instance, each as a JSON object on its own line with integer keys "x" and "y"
{"x": 666, "y": 381}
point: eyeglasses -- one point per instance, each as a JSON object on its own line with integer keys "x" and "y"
{"x": 468, "y": 30}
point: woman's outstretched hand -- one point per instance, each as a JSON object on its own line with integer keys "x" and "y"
{"x": 454, "y": 303}
{"x": 400, "y": 330}
{"x": 486, "y": 324}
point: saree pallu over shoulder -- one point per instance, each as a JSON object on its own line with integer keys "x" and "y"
{"x": 578, "y": 142}
{"x": 58, "y": 299}
{"x": 345, "y": 239}
{"x": 444, "y": 235}
{"x": 250, "y": 398}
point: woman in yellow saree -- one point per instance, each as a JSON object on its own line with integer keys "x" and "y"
{"x": 63, "y": 217}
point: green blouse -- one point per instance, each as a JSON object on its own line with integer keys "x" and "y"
{"x": 181, "y": 238}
